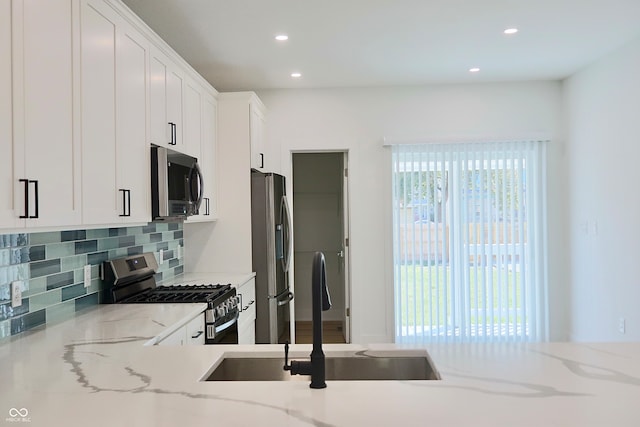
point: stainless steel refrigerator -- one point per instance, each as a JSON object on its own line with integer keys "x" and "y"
{"x": 272, "y": 244}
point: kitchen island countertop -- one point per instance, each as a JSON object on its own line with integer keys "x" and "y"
{"x": 94, "y": 370}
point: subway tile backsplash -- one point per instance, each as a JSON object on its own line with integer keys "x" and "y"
{"x": 50, "y": 267}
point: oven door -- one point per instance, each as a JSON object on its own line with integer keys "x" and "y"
{"x": 223, "y": 331}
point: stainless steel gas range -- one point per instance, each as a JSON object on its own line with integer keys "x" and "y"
{"x": 130, "y": 280}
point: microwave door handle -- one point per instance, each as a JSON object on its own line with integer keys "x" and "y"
{"x": 196, "y": 184}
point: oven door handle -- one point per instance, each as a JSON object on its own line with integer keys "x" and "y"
{"x": 227, "y": 324}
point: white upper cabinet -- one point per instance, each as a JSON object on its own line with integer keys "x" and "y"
{"x": 45, "y": 145}
{"x": 166, "y": 89}
{"x": 7, "y": 216}
{"x": 209, "y": 156}
{"x": 133, "y": 153}
{"x": 192, "y": 119}
{"x": 243, "y": 126}
{"x": 98, "y": 42}
{"x": 116, "y": 177}
{"x": 257, "y": 129}
{"x": 85, "y": 88}
{"x": 207, "y": 160}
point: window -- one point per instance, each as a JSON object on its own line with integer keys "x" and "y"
{"x": 470, "y": 241}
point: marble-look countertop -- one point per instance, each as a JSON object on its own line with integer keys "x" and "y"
{"x": 93, "y": 370}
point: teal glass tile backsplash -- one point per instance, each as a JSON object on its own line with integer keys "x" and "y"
{"x": 50, "y": 267}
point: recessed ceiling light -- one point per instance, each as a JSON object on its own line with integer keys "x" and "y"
{"x": 511, "y": 31}
{"x": 474, "y": 70}
{"x": 296, "y": 75}
{"x": 282, "y": 37}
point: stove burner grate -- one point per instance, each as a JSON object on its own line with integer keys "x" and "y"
{"x": 179, "y": 294}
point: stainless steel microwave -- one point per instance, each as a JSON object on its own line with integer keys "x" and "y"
{"x": 176, "y": 184}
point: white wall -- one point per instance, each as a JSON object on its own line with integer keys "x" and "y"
{"x": 225, "y": 245}
{"x": 357, "y": 119}
{"x": 603, "y": 142}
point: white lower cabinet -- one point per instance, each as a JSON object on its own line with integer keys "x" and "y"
{"x": 176, "y": 338}
{"x": 192, "y": 333}
{"x": 195, "y": 331}
{"x": 247, "y": 320}
{"x": 247, "y": 332}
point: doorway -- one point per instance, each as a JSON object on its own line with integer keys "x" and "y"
{"x": 320, "y": 223}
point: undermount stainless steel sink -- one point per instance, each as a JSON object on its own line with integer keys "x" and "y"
{"x": 355, "y": 368}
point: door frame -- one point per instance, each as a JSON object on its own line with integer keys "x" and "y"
{"x": 346, "y": 217}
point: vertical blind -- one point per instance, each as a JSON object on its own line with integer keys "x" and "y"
{"x": 469, "y": 228}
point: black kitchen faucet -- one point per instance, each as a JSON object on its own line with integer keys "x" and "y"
{"x": 321, "y": 302}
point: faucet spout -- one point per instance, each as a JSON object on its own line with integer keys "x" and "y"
{"x": 321, "y": 301}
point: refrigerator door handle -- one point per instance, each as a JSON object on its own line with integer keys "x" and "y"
{"x": 283, "y": 297}
{"x": 288, "y": 296}
{"x": 288, "y": 233}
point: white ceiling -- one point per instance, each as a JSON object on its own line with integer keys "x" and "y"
{"x": 339, "y": 43}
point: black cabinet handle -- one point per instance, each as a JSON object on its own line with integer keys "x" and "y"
{"x": 206, "y": 206}
{"x": 261, "y": 160}
{"x": 197, "y": 334}
{"x": 35, "y": 187}
{"x": 27, "y": 183}
{"x": 126, "y": 202}
{"x": 26, "y": 198}
{"x": 173, "y": 134}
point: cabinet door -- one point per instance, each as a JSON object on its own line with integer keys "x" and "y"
{"x": 195, "y": 333}
{"x": 175, "y": 90}
{"x": 47, "y": 154}
{"x": 8, "y": 219}
{"x": 247, "y": 333}
{"x": 166, "y": 88}
{"x": 176, "y": 338}
{"x": 132, "y": 152}
{"x": 98, "y": 43}
{"x": 257, "y": 127}
{"x": 246, "y": 322}
{"x": 160, "y": 130}
{"x": 209, "y": 155}
{"x": 193, "y": 120}
{"x": 207, "y": 162}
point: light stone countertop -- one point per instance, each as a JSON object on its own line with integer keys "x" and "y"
{"x": 93, "y": 370}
